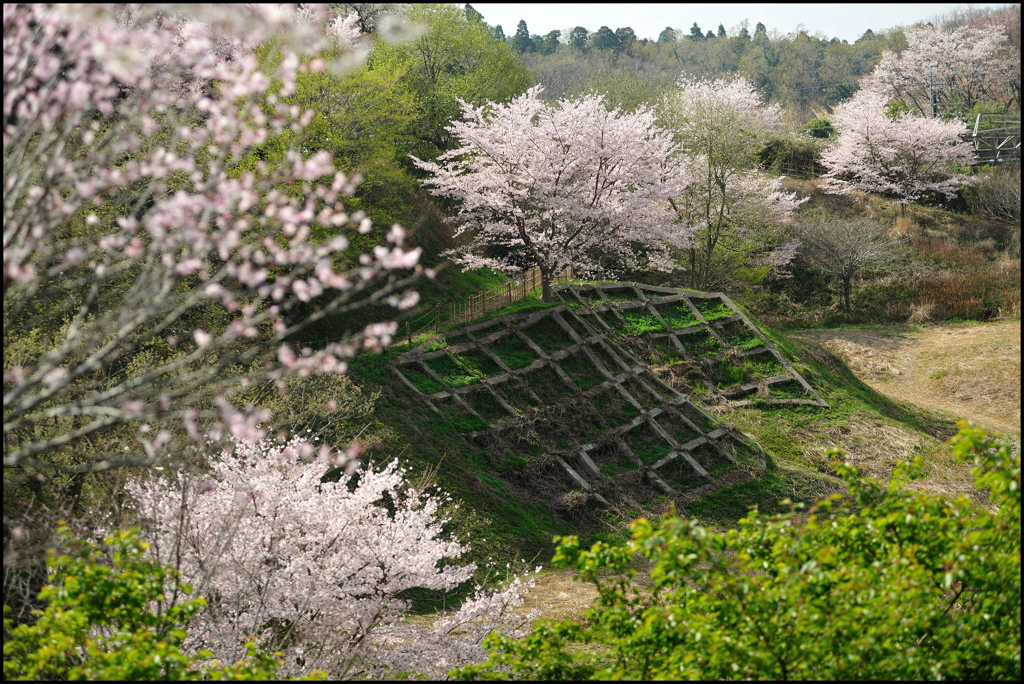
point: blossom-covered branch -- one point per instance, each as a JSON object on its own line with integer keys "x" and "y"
{"x": 903, "y": 154}
{"x": 147, "y": 272}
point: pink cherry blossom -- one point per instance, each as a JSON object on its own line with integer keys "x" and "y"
{"x": 572, "y": 183}
{"x": 171, "y": 229}
{"x": 268, "y": 541}
{"x": 906, "y": 156}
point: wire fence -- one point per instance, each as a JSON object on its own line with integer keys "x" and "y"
{"x": 454, "y": 313}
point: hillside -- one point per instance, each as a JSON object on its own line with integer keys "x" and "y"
{"x": 622, "y": 400}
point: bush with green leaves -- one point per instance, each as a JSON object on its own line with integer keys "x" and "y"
{"x": 101, "y": 621}
{"x": 881, "y": 582}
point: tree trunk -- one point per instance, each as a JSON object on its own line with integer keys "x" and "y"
{"x": 847, "y": 286}
{"x": 545, "y": 285}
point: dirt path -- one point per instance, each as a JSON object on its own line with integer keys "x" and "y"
{"x": 971, "y": 371}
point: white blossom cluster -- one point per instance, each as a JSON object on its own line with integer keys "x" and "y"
{"x": 566, "y": 184}
{"x": 314, "y": 568}
{"x": 962, "y": 66}
{"x": 904, "y": 155}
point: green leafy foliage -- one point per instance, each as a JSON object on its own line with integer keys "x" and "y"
{"x": 548, "y": 335}
{"x": 763, "y": 365}
{"x": 739, "y": 336}
{"x": 641, "y": 323}
{"x": 102, "y": 621}
{"x": 679, "y": 316}
{"x": 881, "y": 582}
{"x": 423, "y": 382}
{"x": 713, "y": 309}
{"x": 646, "y": 444}
{"x": 455, "y": 371}
{"x": 580, "y": 369}
{"x": 514, "y": 352}
{"x": 701, "y": 344}
{"x": 728, "y": 374}
{"x": 451, "y": 58}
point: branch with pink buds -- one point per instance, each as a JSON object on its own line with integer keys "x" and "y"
{"x": 146, "y": 273}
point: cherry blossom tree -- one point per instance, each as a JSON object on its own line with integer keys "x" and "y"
{"x": 728, "y": 211}
{"x": 962, "y": 65}
{"x": 903, "y": 154}
{"x": 550, "y": 186}
{"x": 313, "y": 566}
{"x": 147, "y": 276}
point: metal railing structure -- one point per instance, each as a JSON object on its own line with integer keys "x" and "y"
{"x": 996, "y": 138}
{"x": 515, "y": 290}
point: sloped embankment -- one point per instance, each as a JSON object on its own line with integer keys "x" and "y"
{"x": 597, "y": 394}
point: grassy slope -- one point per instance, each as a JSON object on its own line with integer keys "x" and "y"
{"x": 876, "y": 430}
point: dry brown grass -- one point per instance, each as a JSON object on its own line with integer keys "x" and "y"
{"x": 904, "y": 229}
{"x": 921, "y": 313}
{"x": 802, "y": 187}
{"x": 965, "y": 295}
{"x": 877, "y": 447}
{"x": 970, "y": 371}
{"x": 559, "y": 597}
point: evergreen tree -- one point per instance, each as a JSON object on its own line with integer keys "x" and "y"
{"x": 696, "y": 33}
{"x": 605, "y": 39}
{"x": 626, "y": 36}
{"x": 549, "y": 43}
{"x": 522, "y": 42}
{"x": 721, "y": 29}
{"x": 760, "y": 28}
{"x": 668, "y": 35}
{"x": 579, "y": 38}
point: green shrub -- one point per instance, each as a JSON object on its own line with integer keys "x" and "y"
{"x": 818, "y": 127}
{"x": 792, "y": 155}
{"x": 879, "y": 582}
{"x": 102, "y": 621}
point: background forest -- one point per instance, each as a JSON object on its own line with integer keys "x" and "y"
{"x": 224, "y": 225}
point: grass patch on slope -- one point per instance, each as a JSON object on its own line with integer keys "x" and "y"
{"x": 514, "y": 521}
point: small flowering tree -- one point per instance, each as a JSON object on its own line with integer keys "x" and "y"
{"x": 897, "y": 154}
{"x": 313, "y": 566}
{"x": 550, "y": 186}
{"x": 146, "y": 274}
{"x": 725, "y": 207}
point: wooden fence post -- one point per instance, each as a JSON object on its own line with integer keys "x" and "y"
{"x": 484, "y": 295}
